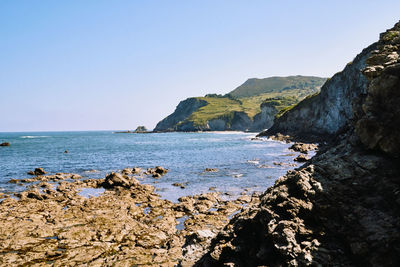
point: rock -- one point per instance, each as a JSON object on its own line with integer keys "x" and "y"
{"x": 321, "y": 116}
{"x": 127, "y": 171}
{"x": 301, "y": 158}
{"x": 116, "y": 179}
{"x": 66, "y": 152}
{"x": 37, "y": 171}
{"x": 181, "y": 185}
{"x": 136, "y": 170}
{"x": 156, "y": 175}
{"x": 35, "y": 194}
{"x": 141, "y": 129}
{"x": 303, "y": 148}
{"x": 5, "y": 144}
{"x": 160, "y": 170}
{"x": 280, "y": 137}
{"x": 210, "y": 170}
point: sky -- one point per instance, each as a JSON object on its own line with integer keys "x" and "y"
{"x": 114, "y": 65}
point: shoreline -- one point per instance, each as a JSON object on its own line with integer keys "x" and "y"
{"x": 65, "y": 218}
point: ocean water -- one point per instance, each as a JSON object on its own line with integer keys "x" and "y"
{"x": 243, "y": 164}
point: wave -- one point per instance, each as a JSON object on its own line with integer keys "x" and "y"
{"x": 31, "y": 136}
{"x": 230, "y": 132}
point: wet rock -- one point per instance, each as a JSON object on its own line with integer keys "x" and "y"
{"x": 136, "y": 170}
{"x": 210, "y": 170}
{"x": 160, "y": 170}
{"x": 126, "y": 171}
{"x": 37, "y": 171}
{"x": 303, "y": 148}
{"x": 181, "y": 185}
{"x": 35, "y": 194}
{"x": 301, "y": 158}
{"x": 156, "y": 172}
{"x": 281, "y": 137}
{"x": 5, "y": 144}
{"x": 117, "y": 179}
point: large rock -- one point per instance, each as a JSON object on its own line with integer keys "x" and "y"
{"x": 116, "y": 179}
{"x": 37, "y": 171}
{"x": 342, "y": 208}
{"x": 5, "y": 144}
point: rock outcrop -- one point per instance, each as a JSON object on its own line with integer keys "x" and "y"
{"x": 342, "y": 208}
{"x": 182, "y": 112}
{"x": 325, "y": 114}
{"x": 264, "y": 119}
{"x": 124, "y": 223}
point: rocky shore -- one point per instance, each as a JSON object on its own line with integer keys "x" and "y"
{"x": 341, "y": 208}
{"x": 124, "y": 223}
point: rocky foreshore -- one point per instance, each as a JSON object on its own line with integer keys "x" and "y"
{"x": 125, "y": 223}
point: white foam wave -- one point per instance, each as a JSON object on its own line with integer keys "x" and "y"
{"x": 31, "y": 136}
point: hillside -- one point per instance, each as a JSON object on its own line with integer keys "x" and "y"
{"x": 254, "y": 86}
{"x": 242, "y": 109}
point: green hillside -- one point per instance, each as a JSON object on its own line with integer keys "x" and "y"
{"x": 249, "y": 96}
{"x": 280, "y": 92}
{"x": 254, "y": 86}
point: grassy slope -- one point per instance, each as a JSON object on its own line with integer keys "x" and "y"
{"x": 255, "y": 86}
{"x": 253, "y": 95}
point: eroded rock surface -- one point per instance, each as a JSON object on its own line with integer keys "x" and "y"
{"x": 54, "y": 222}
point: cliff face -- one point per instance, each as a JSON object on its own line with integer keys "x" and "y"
{"x": 265, "y": 118}
{"x": 181, "y": 119}
{"x": 342, "y": 208}
{"x": 326, "y": 113}
{"x": 182, "y": 112}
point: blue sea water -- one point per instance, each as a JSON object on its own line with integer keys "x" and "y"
{"x": 243, "y": 163}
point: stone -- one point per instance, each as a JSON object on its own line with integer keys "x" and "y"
{"x": 301, "y": 158}
{"x": 5, "y": 144}
{"x": 210, "y": 170}
{"x": 303, "y": 148}
{"x": 116, "y": 179}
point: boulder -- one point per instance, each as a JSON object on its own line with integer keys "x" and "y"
{"x": 303, "y": 148}
{"x": 160, "y": 170}
{"x": 5, "y": 144}
{"x": 210, "y": 170}
{"x": 116, "y": 179}
{"x": 37, "y": 171}
{"x": 301, "y": 158}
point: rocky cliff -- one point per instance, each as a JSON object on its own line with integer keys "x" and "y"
{"x": 242, "y": 109}
{"x": 182, "y": 112}
{"x": 342, "y": 208}
{"x": 324, "y": 114}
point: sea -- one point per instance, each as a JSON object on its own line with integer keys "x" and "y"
{"x": 244, "y": 163}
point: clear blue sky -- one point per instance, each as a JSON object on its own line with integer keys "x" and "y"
{"x": 92, "y": 65}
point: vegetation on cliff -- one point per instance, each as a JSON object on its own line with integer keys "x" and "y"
{"x": 247, "y": 100}
{"x": 254, "y": 86}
